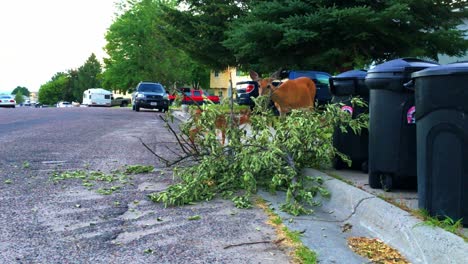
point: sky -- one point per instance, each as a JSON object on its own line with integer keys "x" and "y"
{"x": 39, "y": 38}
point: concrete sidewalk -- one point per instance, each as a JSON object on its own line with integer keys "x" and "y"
{"x": 355, "y": 210}
{"x": 367, "y": 215}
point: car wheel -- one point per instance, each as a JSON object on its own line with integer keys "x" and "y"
{"x": 166, "y": 109}
{"x": 137, "y": 108}
{"x": 124, "y": 104}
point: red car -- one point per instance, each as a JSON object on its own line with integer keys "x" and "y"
{"x": 192, "y": 96}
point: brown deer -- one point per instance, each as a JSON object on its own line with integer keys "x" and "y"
{"x": 292, "y": 94}
{"x": 221, "y": 124}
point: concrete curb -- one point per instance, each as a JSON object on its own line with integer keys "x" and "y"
{"x": 394, "y": 226}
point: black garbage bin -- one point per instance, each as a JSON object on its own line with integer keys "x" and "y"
{"x": 344, "y": 87}
{"x": 442, "y": 140}
{"x": 392, "y": 128}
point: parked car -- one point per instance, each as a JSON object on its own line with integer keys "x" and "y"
{"x": 197, "y": 96}
{"x": 172, "y": 98}
{"x": 150, "y": 95}
{"x": 41, "y": 105}
{"x": 7, "y": 101}
{"x": 246, "y": 90}
{"x": 120, "y": 101}
{"x": 64, "y": 104}
{"x": 321, "y": 80}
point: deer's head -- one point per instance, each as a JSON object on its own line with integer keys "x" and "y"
{"x": 265, "y": 85}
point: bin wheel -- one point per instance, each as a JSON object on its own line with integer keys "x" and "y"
{"x": 374, "y": 180}
{"x": 338, "y": 164}
{"x": 365, "y": 167}
{"x": 387, "y": 182}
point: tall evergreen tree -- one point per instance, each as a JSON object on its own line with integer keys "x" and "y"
{"x": 335, "y": 35}
{"x": 20, "y": 89}
{"x": 199, "y": 29}
{"x": 87, "y": 76}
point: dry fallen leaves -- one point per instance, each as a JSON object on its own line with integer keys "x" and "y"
{"x": 346, "y": 227}
{"x": 376, "y": 251}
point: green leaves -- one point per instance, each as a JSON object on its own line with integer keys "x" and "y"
{"x": 89, "y": 179}
{"x": 271, "y": 155}
{"x": 343, "y": 34}
{"x": 194, "y": 218}
{"x": 139, "y": 48}
{"x": 26, "y": 165}
{"x": 138, "y": 169}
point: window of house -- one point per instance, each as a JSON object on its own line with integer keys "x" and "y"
{"x": 216, "y": 74}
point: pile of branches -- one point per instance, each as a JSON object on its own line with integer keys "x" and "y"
{"x": 264, "y": 151}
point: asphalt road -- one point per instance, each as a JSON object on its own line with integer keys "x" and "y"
{"x": 67, "y": 222}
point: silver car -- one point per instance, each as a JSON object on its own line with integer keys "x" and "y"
{"x": 7, "y": 101}
{"x": 64, "y": 104}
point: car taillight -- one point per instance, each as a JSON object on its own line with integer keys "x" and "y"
{"x": 12, "y": 101}
{"x": 249, "y": 88}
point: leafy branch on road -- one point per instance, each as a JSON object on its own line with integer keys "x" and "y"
{"x": 271, "y": 153}
{"x": 90, "y": 178}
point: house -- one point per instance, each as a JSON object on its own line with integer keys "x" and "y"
{"x": 33, "y": 97}
{"x": 125, "y": 95}
{"x": 219, "y": 80}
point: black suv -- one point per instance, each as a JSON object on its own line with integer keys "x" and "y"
{"x": 150, "y": 95}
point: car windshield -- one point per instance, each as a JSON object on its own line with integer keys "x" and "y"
{"x": 5, "y": 96}
{"x": 151, "y": 87}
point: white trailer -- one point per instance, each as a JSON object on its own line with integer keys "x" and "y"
{"x": 97, "y": 97}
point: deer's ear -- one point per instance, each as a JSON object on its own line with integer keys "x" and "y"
{"x": 276, "y": 74}
{"x": 254, "y": 76}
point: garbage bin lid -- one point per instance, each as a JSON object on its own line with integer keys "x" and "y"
{"x": 401, "y": 65}
{"x": 354, "y": 74}
{"x": 449, "y": 69}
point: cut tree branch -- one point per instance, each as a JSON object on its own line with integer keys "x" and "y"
{"x": 257, "y": 242}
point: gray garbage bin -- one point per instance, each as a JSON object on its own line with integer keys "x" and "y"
{"x": 392, "y": 130}
{"x": 442, "y": 140}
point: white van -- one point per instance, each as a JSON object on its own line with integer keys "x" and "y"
{"x": 97, "y": 97}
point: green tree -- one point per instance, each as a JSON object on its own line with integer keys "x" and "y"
{"x": 139, "y": 51}
{"x": 199, "y": 29}
{"x": 87, "y": 76}
{"x": 336, "y": 35}
{"x": 24, "y": 91}
{"x": 55, "y": 89}
{"x": 19, "y": 97}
